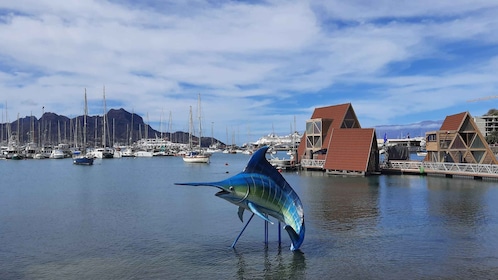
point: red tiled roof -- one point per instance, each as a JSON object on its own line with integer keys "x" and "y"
{"x": 336, "y": 113}
{"x": 349, "y": 149}
{"x": 453, "y": 122}
{"x": 301, "y": 148}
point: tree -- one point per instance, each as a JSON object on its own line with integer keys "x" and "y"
{"x": 492, "y": 137}
{"x": 492, "y": 112}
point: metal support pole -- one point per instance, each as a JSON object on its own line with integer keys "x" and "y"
{"x": 279, "y": 234}
{"x": 240, "y": 234}
{"x": 266, "y": 233}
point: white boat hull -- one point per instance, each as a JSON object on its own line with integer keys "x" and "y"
{"x": 57, "y": 154}
{"x": 143, "y": 154}
{"x": 196, "y": 159}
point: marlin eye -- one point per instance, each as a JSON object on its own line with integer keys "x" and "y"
{"x": 230, "y": 188}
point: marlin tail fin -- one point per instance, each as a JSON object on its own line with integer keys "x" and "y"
{"x": 297, "y": 239}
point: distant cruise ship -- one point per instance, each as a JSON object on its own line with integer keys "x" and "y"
{"x": 286, "y": 142}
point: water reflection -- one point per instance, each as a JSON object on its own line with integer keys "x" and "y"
{"x": 342, "y": 203}
{"x": 90, "y": 225}
{"x": 457, "y": 202}
{"x": 288, "y": 265}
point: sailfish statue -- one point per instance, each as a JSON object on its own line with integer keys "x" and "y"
{"x": 261, "y": 189}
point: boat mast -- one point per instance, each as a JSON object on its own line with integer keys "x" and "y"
{"x": 18, "y": 131}
{"x": 9, "y": 127}
{"x": 190, "y": 129}
{"x": 32, "y": 129}
{"x": 113, "y": 131}
{"x": 146, "y": 127}
{"x": 84, "y": 124}
{"x": 95, "y": 134}
{"x": 104, "y": 143}
{"x": 294, "y": 137}
{"x": 200, "y": 122}
{"x": 1, "y": 130}
{"x": 74, "y": 131}
{"x": 59, "y": 131}
{"x": 131, "y": 127}
{"x": 169, "y": 127}
{"x": 161, "y": 123}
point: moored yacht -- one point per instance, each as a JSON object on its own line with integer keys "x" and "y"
{"x": 57, "y": 154}
{"x": 196, "y": 157}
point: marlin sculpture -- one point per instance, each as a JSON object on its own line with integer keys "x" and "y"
{"x": 261, "y": 189}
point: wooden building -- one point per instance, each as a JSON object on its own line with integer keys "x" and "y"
{"x": 335, "y": 142}
{"x": 458, "y": 140}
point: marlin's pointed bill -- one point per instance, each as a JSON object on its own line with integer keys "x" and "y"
{"x": 261, "y": 189}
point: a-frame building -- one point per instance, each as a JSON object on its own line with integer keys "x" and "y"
{"x": 458, "y": 140}
{"x": 334, "y": 136}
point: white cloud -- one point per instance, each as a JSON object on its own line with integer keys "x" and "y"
{"x": 254, "y": 64}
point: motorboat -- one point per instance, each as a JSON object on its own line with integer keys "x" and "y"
{"x": 83, "y": 160}
{"x": 143, "y": 154}
{"x": 57, "y": 154}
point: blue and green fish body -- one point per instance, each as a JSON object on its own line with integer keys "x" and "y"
{"x": 262, "y": 190}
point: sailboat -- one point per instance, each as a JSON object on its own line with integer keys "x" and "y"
{"x": 83, "y": 158}
{"x": 104, "y": 151}
{"x": 196, "y": 156}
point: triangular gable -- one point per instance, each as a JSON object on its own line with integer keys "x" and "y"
{"x": 350, "y": 120}
{"x": 342, "y": 116}
{"x": 468, "y": 124}
{"x": 453, "y": 122}
{"x": 468, "y": 144}
{"x": 349, "y": 149}
{"x": 335, "y": 114}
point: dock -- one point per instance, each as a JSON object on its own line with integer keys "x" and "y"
{"x": 447, "y": 169}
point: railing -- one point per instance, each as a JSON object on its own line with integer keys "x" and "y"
{"x": 465, "y": 169}
{"x": 312, "y": 163}
{"x": 462, "y": 169}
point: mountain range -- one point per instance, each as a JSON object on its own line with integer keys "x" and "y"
{"x": 407, "y": 130}
{"x": 122, "y": 127}
{"x": 125, "y": 128}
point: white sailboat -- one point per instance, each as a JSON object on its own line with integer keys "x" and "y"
{"x": 196, "y": 156}
{"x": 82, "y": 158}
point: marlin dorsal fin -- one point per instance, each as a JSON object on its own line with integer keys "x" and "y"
{"x": 260, "y": 165}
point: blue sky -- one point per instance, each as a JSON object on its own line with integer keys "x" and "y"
{"x": 257, "y": 65}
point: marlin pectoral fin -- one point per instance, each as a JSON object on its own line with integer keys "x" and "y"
{"x": 256, "y": 211}
{"x": 241, "y": 213}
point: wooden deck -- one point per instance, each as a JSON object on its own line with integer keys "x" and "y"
{"x": 477, "y": 171}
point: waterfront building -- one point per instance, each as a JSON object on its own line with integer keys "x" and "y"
{"x": 335, "y": 142}
{"x": 459, "y": 140}
{"x": 487, "y": 124}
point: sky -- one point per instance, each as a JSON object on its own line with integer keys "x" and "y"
{"x": 258, "y": 66}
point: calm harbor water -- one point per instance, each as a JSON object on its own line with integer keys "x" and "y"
{"x": 124, "y": 219}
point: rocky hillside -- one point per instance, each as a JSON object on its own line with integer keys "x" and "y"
{"x": 122, "y": 127}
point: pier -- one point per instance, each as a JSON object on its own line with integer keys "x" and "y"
{"x": 448, "y": 169}
{"x": 312, "y": 163}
